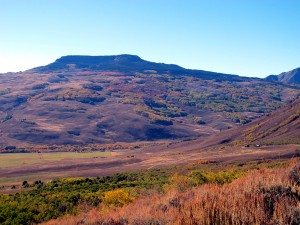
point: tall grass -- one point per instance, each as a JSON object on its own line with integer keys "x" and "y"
{"x": 269, "y": 196}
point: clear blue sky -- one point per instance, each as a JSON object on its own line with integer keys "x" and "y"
{"x": 245, "y": 37}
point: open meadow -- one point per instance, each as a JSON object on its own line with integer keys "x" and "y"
{"x": 21, "y": 161}
{"x": 31, "y": 167}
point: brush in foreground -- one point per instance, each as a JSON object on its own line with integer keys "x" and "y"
{"x": 270, "y": 196}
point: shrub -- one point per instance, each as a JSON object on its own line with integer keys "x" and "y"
{"x": 10, "y": 147}
{"x": 25, "y": 184}
{"x": 181, "y": 183}
{"x": 117, "y": 198}
{"x": 162, "y": 122}
{"x": 221, "y": 177}
{"x": 7, "y": 117}
{"x": 199, "y": 121}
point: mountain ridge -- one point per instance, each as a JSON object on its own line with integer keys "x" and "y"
{"x": 290, "y": 77}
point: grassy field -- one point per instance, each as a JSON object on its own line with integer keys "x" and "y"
{"x": 9, "y": 181}
{"x": 25, "y": 161}
{"x": 31, "y": 167}
{"x": 19, "y": 159}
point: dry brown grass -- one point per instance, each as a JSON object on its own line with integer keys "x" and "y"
{"x": 270, "y": 196}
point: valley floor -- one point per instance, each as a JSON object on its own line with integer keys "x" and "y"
{"x": 168, "y": 184}
{"x": 49, "y": 166}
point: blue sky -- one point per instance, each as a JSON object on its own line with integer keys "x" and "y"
{"x": 245, "y": 37}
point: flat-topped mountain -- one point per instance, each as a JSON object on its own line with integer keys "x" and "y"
{"x": 292, "y": 77}
{"x": 129, "y": 63}
{"x": 114, "y": 63}
{"x": 107, "y": 99}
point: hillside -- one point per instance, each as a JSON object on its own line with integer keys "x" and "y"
{"x": 281, "y": 126}
{"x": 292, "y": 77}
{"x": 107, "y": 99}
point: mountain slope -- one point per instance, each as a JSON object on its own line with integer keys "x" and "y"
{"x": 281, "y": 126}
{"x": 292, "y": 77}
{"x": 107, "y": 99}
